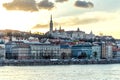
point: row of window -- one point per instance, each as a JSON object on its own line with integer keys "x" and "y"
{"x": 45, "y": 48}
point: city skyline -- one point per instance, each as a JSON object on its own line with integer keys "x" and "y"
{"x": 97, "y": 15}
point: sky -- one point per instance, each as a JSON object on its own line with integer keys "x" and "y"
{"x": 98, "y": 16}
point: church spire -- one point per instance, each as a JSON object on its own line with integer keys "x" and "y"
{"x": 51, "y": 19}
{"x": 91, "y": 32}
{"x": 78, "y": 29}
{"x": 51, "y": 25}
{"x": 60, "y": 28}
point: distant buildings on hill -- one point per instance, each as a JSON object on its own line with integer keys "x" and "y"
{"x": 58, "y": 44}
{"x": 61, "y": 33}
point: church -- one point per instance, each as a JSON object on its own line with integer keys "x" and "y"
{"x": 61, "y": 33}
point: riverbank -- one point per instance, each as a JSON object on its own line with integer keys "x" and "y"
{"x": 56, "y": 62}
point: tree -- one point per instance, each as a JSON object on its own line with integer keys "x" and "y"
{"x": 83, "y": 55}
{"x": 63, "y": 55}
{"x": 95, "y": 54}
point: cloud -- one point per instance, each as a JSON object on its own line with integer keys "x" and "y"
{"x": 28, "y": 5}
{"x": 61, "y": 0}
{"x": 38, "y": 26}
{"x": 84, "y": 19}
{"x": 80, "y": 20}
{"x": 77, "y": 21}
{"x": 25, "y": 5}
{"x": 68, "y": 21}
{"x": 84, "y": 4}
{"x": 73, "y": 21}
{"x": 45, "y": 4}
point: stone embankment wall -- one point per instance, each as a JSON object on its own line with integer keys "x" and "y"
{"x": 55, "y": 62}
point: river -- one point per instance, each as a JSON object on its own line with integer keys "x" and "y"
{"x": 61, "y": 72}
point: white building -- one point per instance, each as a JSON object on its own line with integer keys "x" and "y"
{"x": 47, "y": 51}
{"x": 109, "y": 52}
{"x": 90, "y": 35}
{"x": 59, "y": 33}
{"x": 76, "y": 34}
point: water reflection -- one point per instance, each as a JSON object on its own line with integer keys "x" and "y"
{"x": 70, "y": 72}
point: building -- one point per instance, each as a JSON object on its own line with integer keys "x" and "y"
{"x": 96, "y": 51}
{"x": 61, "y": 33}
{"x": 44, "y": 51}
{"x": 109, "y": 52}
{"x": 9, "y": 47}
{"x": 21, "y": 51}
{"x": 82, "y": 50}
{"x": 2, "y": 50}
{"x": 116, "y": 53}
{"x": 103, "y": 52}
{"x": 106, "y": 50}
{"x": 90, "y": 36}
{"x": 76, "y": 34}
{"x": 65, "y": 51}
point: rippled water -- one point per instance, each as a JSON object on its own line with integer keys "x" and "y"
{"x": 67, "y": 72}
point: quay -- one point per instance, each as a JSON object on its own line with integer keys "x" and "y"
{"x": 39, "y": 62}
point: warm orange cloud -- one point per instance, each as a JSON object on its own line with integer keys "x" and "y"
{"x": 70, "y": 21}
{"x": 28, "y": 5}
{"x": 39, "y": 26}
{"x": 25, "y": 5}
{"x": 83, "y": 19}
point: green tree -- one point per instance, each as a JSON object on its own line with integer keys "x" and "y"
{"x": 63, "y": 55}
{"x": 83, "y": 55}
{"x": 95, "y": 54}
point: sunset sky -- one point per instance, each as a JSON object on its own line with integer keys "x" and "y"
{"x": 100, "y": 16}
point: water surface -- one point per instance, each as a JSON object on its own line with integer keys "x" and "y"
{"x": 61, "y": 72}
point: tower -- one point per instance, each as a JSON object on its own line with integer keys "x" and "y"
{"x": 78, "y": 29}
{"x": 91, "y": 32}
{"x": 60, "y": 28}
{"x": 51, "y": 25}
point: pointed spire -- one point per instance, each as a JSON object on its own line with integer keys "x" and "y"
{"x": 78, "y": 29}
{"x": 91, "y": 32}
{"x": 51, "y": 25}
{"x": 51, "y": 18}
{"x": 60, "y": 28}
